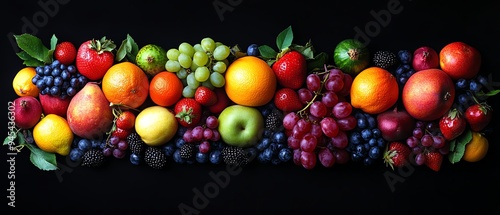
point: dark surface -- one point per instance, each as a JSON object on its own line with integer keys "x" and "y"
{"x": 121, "y": 188}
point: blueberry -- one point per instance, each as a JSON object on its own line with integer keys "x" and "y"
{"x": 374, "y": 152}
{"x": 483, "y": 81}
{"x": 376, "y": 132}
{"x": 55, "y": 64}
{"x": 372, "y": 122}
{"x": 39, "y": 70}
{"x": 381, "y": 142}
{"x": 45, "y": 90}
{"x": 464, "y": 99}
{"x": 362, "y": 123}
{"x": 475, "y": 86}
{"x": 267, "y": 133}
{"x": 84, "y": 144}
{"x": 462, "y": 83}
{"x": 400, "y": 70}
{"x": 356, "y": 157}
{"x": 71, "y": 69}
{"x": 402, "y": 80}
{"x": 405, "y": 56}
{"x": 135, "y": 159}
{"x": 75, "y": 154}
{"x": 263, "y": 144}
{"x": 215, "y": 157}
{"x": 285, "y": 154}
{"x": 169, "y": 149}
{"x": 179, "y": 141}
{"x": 366, "y": 134}
{"x": 58, "y": 81}
{"x": 268, "y": 153}
{"x": 201, "y": 157}
{"x": 47, "y": 70}
{"x": 360, "y": 149}
{"x": 56, "y": 72}
{"x": 65, "y": 75}
{"x": 40, "y": 84}
{"x": 49, "y": 80}
{"x": 55, "y": 91}
{"x": 177, "y": 157}
{"x": 253, "y": 50}
{"x": 275, "y": 161}
{"x": 355, "y": 138}
{"x": 74, "y": 82}
{"x": 372, "y": 142}
{"x": 368, "y": 161}
{"x": 279, "y": 137}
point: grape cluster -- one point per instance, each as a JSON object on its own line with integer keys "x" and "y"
{"x": 318, "y": 131}
{"x": 470, "y": 91}
{"x": 203, "y": 64}
{"x": 404, "y": 70}
{"x": 426, "y": 138}
{"x": 366, "y": 144}
{"x": 57, "y": 79}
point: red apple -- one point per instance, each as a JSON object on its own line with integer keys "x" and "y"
{"x": 460, "y": 60}
{"x": 27, "y": 112}
{"x": 395, "y": 124}
{"x": 54, "y": 104}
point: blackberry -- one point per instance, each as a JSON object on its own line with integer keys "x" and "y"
{"x": 384, "y": 59}
{"x": 187, "y": 151}
{"x": 154, "y": 157}
{"x": 93, "y": 158}
{"x": 234, "y": 155}
{"x": 135, "y": 143}
{"x": 274, "y": 120}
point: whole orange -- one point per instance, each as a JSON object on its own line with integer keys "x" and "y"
{"x": 374, "y": 90}
{"x": 125, "y": 84}
{"x": 165, "y": 88}
{"x": 428, "y": 94}
{"x": 250, "y": 81}
{"x": 460, "y": 60}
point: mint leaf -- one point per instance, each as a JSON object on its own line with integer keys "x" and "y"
{"x": 128, "y": 50}
{"x": 285, "y": 38}
{"x": 457, "y": 146}
{"x": 41, "y": 159}
{"x": 34, "y": 47}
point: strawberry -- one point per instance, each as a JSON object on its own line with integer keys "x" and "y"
{"x": 287, "y": 100}
{"x": 65, "y": 53}
{"x": 396, "y": 154}
{"x": 188, "y": 112}
{"x": 478, "y": 116}
{"x": 121, "y": 133}
{"x": 222, "y": 101}
{"x": 452, "y": 124}
{"x": 291, "y": 70}
{"x": 205, "y": 96}
{"x": 126, "y": 120}
{"x": 433, "y": 160}
{"x": 95, "y": 57}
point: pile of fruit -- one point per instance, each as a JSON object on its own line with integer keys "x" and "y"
{"x": 208, "y": 102}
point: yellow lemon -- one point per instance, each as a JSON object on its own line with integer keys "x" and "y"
{"x": 53, "y": 134}
{"x": 156, "y": 125}
{"x": 22, "y": 84}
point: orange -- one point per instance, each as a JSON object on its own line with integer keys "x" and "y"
{"x": 250, "y": 81}
{"x": 374, "y": 90}
{"x": 476, "y": 149}
{"x": 165, "y": 88}
{"x": 22, "y": 84}
{"x": 125, "y": 84}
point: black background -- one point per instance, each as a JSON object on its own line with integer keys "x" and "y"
{"x": 120, "y": 187}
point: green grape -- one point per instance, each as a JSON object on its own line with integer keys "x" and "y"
{"x": 186, "y": 48}
{"x": 173, "y": 53}
{"x": 219, "y": 67}
{"x": 208, "y": 84}
{"x": 200, "y": 58}
{"x": 208, "y": 44}
{"x": 217, "y": 79}
{"x": 218, "y": 44}
{"x": 182, "y": 74}
{"x": 193, "y": 67}
{"x": 202, "y": 73}
{"x": 192, "y": 82}
{"x": 197, "y": 48}
{"x": 221, "y": 52}
{"x": 188, "y": 92}
{"x": 184, "y": 81}
{"x": 172, "y": 66}
{"x": 184, "y": 60}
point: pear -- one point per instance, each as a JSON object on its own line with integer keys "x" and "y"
{"x": 89, "y": 113}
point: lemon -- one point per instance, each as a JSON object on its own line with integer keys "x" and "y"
{"x": 22, "y": 82}
{"x": 52, "y": 134}
{"x": 156, "y": 125}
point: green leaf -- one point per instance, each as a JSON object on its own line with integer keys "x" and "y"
{"x": 128, "y": 50}
{"x": 53, "y": 42}
{"x": 41, "y": 159}
{"x": 318, "y": 61}
{"x": 33, "y": 46}
{"x": 489, "y": 93}
{"x": 457, "y": 146}
{"x": 285, "y": 38}
{"x": 267, "y": 52}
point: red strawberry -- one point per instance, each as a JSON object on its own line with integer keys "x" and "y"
{"x": 205, "y": 96}
{"x": 433, "y": 160}
{"x": 222, "y": 101}
{"x": 126, "y": 120}
{"x": 452, "y": 124}
{"x": 397, "y": 154}
{"x": 287, "y": 100}
{"x": 188, "y": 112}
{"x": 121, "y": 133}
{"x": 291, "y": 70}
{"x": 65, "y": 53}
{"x": 95, "y": 57}
{"x": 478, "y": 116}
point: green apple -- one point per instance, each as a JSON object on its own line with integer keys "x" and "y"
{"x": 240, "y": 126}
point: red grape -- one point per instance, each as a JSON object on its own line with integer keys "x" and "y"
{"x": 313, "y": 82}
{"x": 341, "y": 141}
{"x": 308, "y": 159}
{"x": 308, "y": 143}
{"x": 326, "y": 157}
{"x": 330, "y": 99}
{"x": 342, "y": 110}
{"x": 289, "y": 120}
{"x": 305, "y": 95}
{"x": 329, "y": 127}
{"x": 318, "y": 109}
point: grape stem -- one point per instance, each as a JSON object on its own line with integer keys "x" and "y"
{"x": 326, "y": 74}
